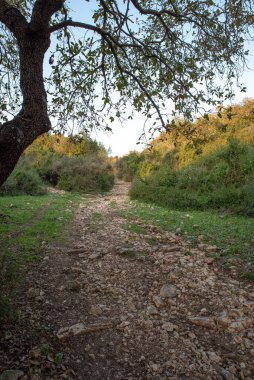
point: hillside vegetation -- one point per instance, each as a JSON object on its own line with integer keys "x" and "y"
{"x": 208, "y": 164}
{"x": 75, "y": 163}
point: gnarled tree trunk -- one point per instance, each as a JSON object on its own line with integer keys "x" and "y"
{"x": 33, "y": 39}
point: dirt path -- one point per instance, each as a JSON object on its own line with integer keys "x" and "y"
{"x": 113, "y": 306}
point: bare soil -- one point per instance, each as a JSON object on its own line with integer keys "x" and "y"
{"x": 119, "y": 305}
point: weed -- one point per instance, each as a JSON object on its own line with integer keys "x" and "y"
{"x": 46, "y": 349}
{"x": 58, "y": 358}
{"x": 152, "y": 241}
{"x": 113, "y": 204}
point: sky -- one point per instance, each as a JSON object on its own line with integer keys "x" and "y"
{"x": 124, "y": 138}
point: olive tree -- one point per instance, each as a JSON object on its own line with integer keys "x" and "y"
{"x": 115, "y": 56}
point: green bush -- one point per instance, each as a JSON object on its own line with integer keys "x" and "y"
{"x": 23, "y": 181}
{"x": 83, "y": 174}
{"x": 221, "y": 180}
{"x": 44, "y": 164}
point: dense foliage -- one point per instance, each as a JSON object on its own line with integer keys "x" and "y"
{"x": 206, "y": 164}
{"x": 77, "y": 163}
{"x": 107, "y": 58}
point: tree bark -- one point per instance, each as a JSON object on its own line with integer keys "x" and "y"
{"x": 16, "y": 135}
{"x": 33, "y": 41}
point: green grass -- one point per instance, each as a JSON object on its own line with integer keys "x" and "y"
{"x": 28, "y": 224}
{"x": 113, "y": 204}
{"x": 134, "y": 227}
{"x": 31, "y": 222}
{"x": 232, "y": 234}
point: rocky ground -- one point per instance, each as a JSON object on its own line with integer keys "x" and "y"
{"x": 119, "y": 305}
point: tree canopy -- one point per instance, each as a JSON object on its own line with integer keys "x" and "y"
{"x": 110, "y": 57}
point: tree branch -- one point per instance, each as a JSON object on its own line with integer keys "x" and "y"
{"x": 76, "y": 24}
{"x": 153, "y": 12}
{"x": 12, "y": 18}
{"x": 42, "y": 12}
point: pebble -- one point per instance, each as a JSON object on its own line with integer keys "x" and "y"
{"x": 96, "y": 310}
{"x": 158, "y": 302}
{"x": 73, "y": 286}
{"x": 168, "y": 326}
{"x": 214, "y": 357}
{"x": 148, "y": 324}
{"x": 151, "y": 310}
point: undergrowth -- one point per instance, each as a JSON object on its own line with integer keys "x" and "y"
{"x": 221, "y": 180}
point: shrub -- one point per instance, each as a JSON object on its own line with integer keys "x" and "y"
{"x": 223, "y": 179}
{"x": 85, "y": 174}
{"x": 23, "y": 181}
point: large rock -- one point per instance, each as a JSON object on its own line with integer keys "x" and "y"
{"x": 207, "y": 322}
{"x": 11, "y": 374}
{"x": 223, "y": 320}
{"x": 168, "y": 291}
{"x": 72, "y": 330}
{"x": 81, "y": 329}
{"x": 240, "y": 325}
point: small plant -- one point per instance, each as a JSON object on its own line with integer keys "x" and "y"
{"x": 46, "y": 349}
{"x": 249, "y": 275}
{"x": 58, "y": 358}
{"x": 113, "y": 204}
{"x": 152, "y": 241}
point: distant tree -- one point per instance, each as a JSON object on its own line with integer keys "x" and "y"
{"x": 125, "y": 52}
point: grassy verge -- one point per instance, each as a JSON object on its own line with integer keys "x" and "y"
{"x": 233, "y": 235}
{"x": 27, "y": 224}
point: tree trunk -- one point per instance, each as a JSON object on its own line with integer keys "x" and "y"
{"x": 16, "y": 135}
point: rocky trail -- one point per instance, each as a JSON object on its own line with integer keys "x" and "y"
{"x": 118, "y": 305}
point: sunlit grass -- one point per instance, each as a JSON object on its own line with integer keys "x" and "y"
{"x": 232, "y": 234}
